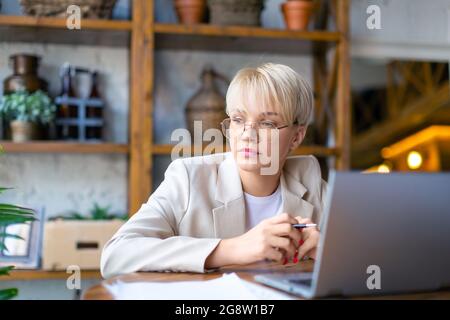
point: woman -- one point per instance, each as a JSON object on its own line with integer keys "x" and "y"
{"x": 237, "y": 207}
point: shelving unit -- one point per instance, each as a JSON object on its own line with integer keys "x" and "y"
{"x": 328, "y": 85}
{"x": 54, "y": 30}
{"x": 142, "y": 35}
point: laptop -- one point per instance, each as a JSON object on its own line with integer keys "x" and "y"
{"x": 381, "y": 234}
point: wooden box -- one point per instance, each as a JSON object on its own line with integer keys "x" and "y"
{"x": 80, "y": 243}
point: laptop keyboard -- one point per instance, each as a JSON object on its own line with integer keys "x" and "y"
{"x": 303, "y": 282}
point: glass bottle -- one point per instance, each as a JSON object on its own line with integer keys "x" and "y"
{"x": 94, "y": 112}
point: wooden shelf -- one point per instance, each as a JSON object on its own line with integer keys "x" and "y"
{"x": 62, "y": 147}
{"x": 50, "y": 22}
{"x": 23, "y": 275}
{"x": 234, "y": 38}
{"x": 54, "y": 30}
{"x": 238, "y": 31}
{"x": 321, "y": 151}
{"x": 168, "y": 36}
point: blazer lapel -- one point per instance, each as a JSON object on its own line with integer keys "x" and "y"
{"x": 292, "y": 191}
{"x": 229, "y": 217}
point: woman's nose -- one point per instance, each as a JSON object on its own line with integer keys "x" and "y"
{"x": 249, "y": 132}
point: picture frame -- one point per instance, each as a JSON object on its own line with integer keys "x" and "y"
{"x": 26, "y": 253}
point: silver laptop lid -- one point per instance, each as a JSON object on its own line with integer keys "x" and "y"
{"x": 393, "y": 225}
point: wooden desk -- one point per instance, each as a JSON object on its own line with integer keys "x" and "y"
{"x": 99, "y": 292}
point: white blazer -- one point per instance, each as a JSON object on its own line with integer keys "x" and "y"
{"x": 198, "y": 204}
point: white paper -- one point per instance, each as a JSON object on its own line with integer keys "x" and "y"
{"x": 227, "y": 287}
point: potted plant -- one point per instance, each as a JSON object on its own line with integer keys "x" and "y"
{"x": 297, "y": 13}
{"x": 9, "y": 215}
{"x": 190, "y": 11}
{"x": 26, "y": 111}
{"x": 96, "y": 213}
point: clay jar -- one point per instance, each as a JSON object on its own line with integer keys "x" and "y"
{"x": 207, "y": 104}
{"x": 297, "y": 13}
{"x": 190, "y": 11}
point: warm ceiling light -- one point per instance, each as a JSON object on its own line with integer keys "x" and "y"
{"x": 414, "y": 160}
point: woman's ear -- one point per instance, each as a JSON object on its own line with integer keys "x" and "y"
{"x": 298, "y": 137}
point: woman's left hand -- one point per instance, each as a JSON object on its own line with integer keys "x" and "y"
{"x": 310, "y": 240}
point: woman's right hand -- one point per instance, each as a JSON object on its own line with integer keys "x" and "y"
{"x": 273, "y": 239}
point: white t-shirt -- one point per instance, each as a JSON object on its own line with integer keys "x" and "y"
{"x": 261, "y": 208}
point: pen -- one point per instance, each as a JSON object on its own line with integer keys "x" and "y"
{"x": 304, "y": 225}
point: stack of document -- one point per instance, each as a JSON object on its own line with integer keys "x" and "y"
{"x": 227, "y": 287}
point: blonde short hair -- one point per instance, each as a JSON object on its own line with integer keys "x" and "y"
{"x": 272, "y": 86}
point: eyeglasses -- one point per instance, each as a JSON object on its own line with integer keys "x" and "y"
{"x": 238, "y": 125}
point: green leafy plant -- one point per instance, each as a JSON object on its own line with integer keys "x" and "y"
{"x": 9, "y": 215}
{"x": 96, "y": 213}
{"x": 36, "y": 107}
{"x": 10, "y": 293}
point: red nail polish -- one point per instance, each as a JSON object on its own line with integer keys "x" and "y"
{"x": 285, "y": 261}
{"x": 300, "y": 242}
{"x": 295, "y": 259}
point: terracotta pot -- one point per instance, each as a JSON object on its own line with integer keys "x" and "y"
{"x": 190, "y": 11}
{"x": 22, "y": 131}
{"x": 297, "y": 13}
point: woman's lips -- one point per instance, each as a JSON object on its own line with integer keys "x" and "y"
{"x": 249, "y": 152}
